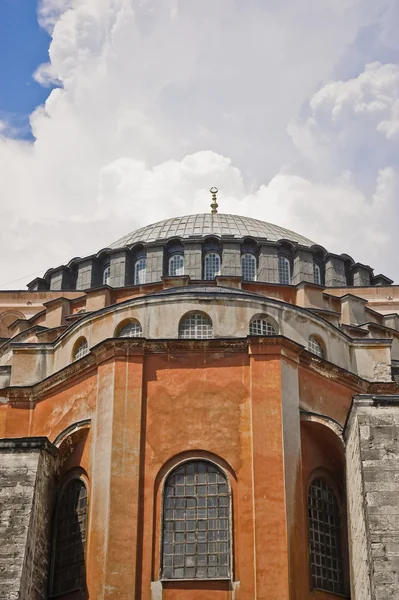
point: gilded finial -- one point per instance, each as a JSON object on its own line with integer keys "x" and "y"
{"x": 214, "y": 204}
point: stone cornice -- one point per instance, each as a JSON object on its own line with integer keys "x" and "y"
{"x": 27, "y": 444}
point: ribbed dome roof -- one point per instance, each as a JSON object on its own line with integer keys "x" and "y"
{"x": 208, "y": 224}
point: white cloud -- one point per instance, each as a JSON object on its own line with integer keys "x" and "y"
{"x": 157, "y": 93}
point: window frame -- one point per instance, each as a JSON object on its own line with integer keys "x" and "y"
{"x": 207, "y": 256}
{"x": 107, "y": 274}
{"x": 317, "y": 269}
{"x": 254, "y": 265}
{"x": 124, "y": 324}
{"x": 189, "y": 315}
{"x": 284, "y": 258}
{"x": 268, "y": 321}
{"x": 137, "y": 262}
{"x": 74, "y": 474}
{"x": 316, "y": 340}
{"x": 171, "y": 259}
{"x": 76, "y": 347}
{"x": 230, "y": 518}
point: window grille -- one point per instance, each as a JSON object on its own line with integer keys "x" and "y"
{"x": 131, "y": 329}
{"x": 325, "y": 548}
{"x": 106, "y": 275}
{"x": 248, "y": 267}
{"x": 315, "y": 347}
{"x": 284, "y": 270}
{"x": 316, "y": 274}
{"x": 140, "y": 269}
{"x": 196, "y": 523}
{"x": 212, "y": 265}
{"x": 176, "y": 265}
{"x": 261, "y": 327}
{"x": 69, "y": 571}
{"x": 81, "y": 350}
{"x": 196, "y": 325}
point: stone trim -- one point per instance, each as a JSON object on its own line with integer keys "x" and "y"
{"x": 28, "y": 444}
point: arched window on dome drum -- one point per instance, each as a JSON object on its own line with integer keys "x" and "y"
{"x": 212, "y": 265}
{"x": 315, "y": 347}
{"x": 176, "y": 265}
{"x": 106, "y": 275}
{"x": 70, "y": 527}
{"x": 196, "y": 326}
{"x": 262, "y": 327}
{"x": 248, "y": 267}
{"x": 316, "y": 273}
{"x": 81, "y": 349}
{"x": 140, "y": 269}
{"x": 325, "y": 544}
{"x": 130, "y": 329}
{"x": 196, "y": 539}
{"x": 284, "y": 270}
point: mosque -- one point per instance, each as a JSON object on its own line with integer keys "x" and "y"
{"x": 206, "y": 409}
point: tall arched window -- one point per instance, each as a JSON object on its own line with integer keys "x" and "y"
{"x": 315, "y": 346}
{"x": 130, "y": 329}
{"x": 140, "y": 268}
{"x": 106, "y": 275}
{"x": 325, "y": 545}
{"x": 260, "y": 326}
{"x": 81, "y": 349}
{"x": 196, "y": 326}
{"x": 68, "y": 557}
{"x": 196, "y": 523}
{"x": 316, "y": 273}
{"x": 212, "y": 265}
{"x": 284, "y": 270}
{"x": 248, "y": 267}
{"x": 176, "y": 265}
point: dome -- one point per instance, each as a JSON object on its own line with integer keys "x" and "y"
{"x": 208, "y": 224}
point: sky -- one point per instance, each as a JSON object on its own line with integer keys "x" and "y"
{"x": 118, "y": 113}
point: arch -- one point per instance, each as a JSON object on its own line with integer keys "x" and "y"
{"x": 248, "y": 266}
{"x": 80, "y": 349}
{"x": 316, "y": 346}
{"x": 261, "y": 324}
{"x": 196, "y": 325}
{"x": 325, "y": 536}
{"x": 211, "y": 265}
{"x": 196, "y": 522}
{"x": 76, "y": 430}
{"x": 129, "y": 328}
{"x": 7, "y": 318}
{"x": 68, "y": 569}
{"x": 284, "y": 269}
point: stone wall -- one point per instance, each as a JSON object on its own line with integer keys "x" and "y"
{"x": 26, "y": 497}
{"x": 372, "y": 436}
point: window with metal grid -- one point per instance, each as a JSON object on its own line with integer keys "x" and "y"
{"x": 315, "y": 346}
{"x": 106, "y": 275}
{"x": 248, "y": 267}
{"x": 140, "y": 268}
{"x": 212, "y": 265}
{"x": 81, "y": 349}
{"x": 316, "y": 274}
{"x": 261, "y": 327}
{"x": 284, "y": 270}
{"x": 176, "y": 265}
{"x": 196, "y": 523}
{"x": 130, "y": 329}
{"x": 69, "y": 572}
{"x": 325, "y": 548}
{"x": 196, "y": 326}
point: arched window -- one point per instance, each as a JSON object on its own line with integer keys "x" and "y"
{"x": 196, "y": 523}
{"x": 196, "y": 326}
{"x": 315, "y": 346}
{"x": 316, "y": 273}
{"x": 106, "y": 274}
{"x": 248, "y": 267}
{"x": 325, "y": 546}
{"x": 212, "y": 265}
{"x": 176, "y": 265}
{"x": 140, "y": 267}
{"x": 284, "y": 270}
{"x": 259, "y": 326}
{"x": 130, "y": 329}
{"x": 68, "y": 557}
{"x": 81, "y": 349}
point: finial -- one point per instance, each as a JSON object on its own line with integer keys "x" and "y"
{"x": 214, "y": 204}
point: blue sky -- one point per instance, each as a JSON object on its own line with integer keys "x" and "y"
{"x": 23, "y": 46}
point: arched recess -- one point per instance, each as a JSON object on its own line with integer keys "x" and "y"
{"x": 159, "y": 482}
{"x": 6, "y": 319}
{"x": 323, "y": 466}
